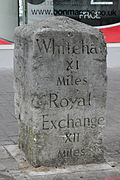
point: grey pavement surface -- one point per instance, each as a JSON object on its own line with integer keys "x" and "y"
{"x": 9, "y": 167}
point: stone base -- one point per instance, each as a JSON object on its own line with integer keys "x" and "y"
{"x": 64, "y": 173}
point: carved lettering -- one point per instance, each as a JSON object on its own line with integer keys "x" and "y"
{"x": 71, "y": 122}
{"x": 70, "y": 80}
{"x": 72, "y": 65}
{"x": 53, "y": 99}
{"x": 67, "y": 153}
{"x": 64, "y": 47}
{"x": 44, "y": 123}
{"x": 61, "y": 124}
{"x": 68, "y": 137}
{"x": 57, "y": 102}
{"x": 69, "y": 67}
{"x": 46, "y": 46}
{"x": 61, "y": 81}
{"x": 72, "y": 137}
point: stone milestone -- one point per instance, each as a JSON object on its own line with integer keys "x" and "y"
{"x": 60, "y": 92}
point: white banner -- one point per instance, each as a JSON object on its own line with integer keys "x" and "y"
{"x": 39, "y": 9}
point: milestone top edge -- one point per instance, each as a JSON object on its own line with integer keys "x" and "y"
{"x": 57, "y": 24}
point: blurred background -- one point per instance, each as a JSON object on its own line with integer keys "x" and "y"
{"x": 102, "y": 14}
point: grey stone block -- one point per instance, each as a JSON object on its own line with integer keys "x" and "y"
{"x": 60, "y": 92}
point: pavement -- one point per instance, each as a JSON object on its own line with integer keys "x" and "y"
{"x": 13, "y": 165}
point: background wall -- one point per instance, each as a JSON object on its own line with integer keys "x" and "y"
{"x": 8, "y": 18}
{"x": 113, "y": 57}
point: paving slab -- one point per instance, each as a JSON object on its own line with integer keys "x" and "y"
{"x": 88, "y": 171}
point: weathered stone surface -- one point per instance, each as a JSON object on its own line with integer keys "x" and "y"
{"x": 60, "y": 92}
